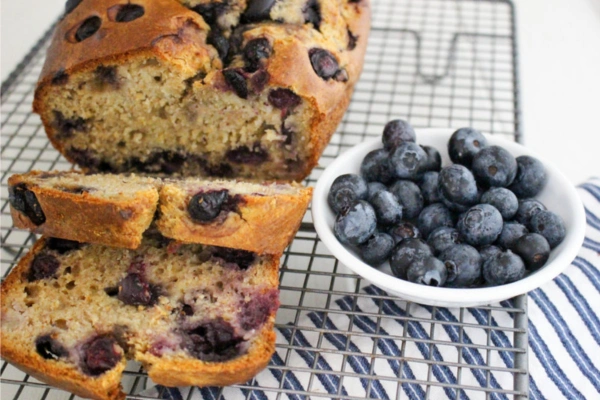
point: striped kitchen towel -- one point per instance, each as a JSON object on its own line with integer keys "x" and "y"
{"x": 564, "y": 344}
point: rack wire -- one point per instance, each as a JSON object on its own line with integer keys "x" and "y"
{"x": 445, "y": 63}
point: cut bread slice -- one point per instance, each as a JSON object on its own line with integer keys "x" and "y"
{"x": 115, "y": 210}
{"x": 72, "y": 314}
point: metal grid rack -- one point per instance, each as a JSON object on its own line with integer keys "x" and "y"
{"x": 433, "y": 62}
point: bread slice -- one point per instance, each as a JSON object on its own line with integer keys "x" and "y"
{"x": 72, "y": 314}
{"x": 115, "y": 210}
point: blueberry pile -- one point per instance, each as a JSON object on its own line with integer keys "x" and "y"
{"x": 473, "y": 223}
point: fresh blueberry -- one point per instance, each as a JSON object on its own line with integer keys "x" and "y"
{"x": 511, "y": 232}
{"x": 356, "y": 224}
{"x": 527, "y": 209}
{"x": 463, "y": 263}
{"x": 62, "y": 246}
{"x": 457, "y": 187}
{"x": 435, "y": 216}
{"x": 503, "y": 199}
{"x": 257, "y": 10}
{"x": 533, "y": 249}
{"x": 101, "y": 354}
{"x": 486, "y": 252}
{"x": 494, "y": 166}
{"x": 429, "y": 187}
{"x": 407, "y": 161}
{"x": 505, "y": 267}
{"x": 480, "y": 225}
{"x": 43, "y": 266}
{"x": 531, "y": 177}
{"x": 375, "y": 167}
{"x": 430, "y": 272}
{"x": 377, "y": 249}
{"x": 324, "y": 63}
{"x": 549, "y": 225}
{"x": 206, "y": 206}
{"x": 407, "y": 252}
{"x": 397, "y": 132}
{"x": 410, "y": 198}
{"x": 88, "y": 28}
{"x": 212, "y": 340}
{"x": 434, "y": 159}
{"x": 443, "y": 238}
{"x": 345, "y": 191}
{"x": 237, "y": 81}
{"x": 49, "y": 348}
{"x": 464, "y": 144}
{"x": 374, "y": 187}
{"x": 24, "y": 200}
{"x": 129, "y": 12}
{"x": 134, "y": 290}
{"x": 404, "y": 230}
{"x": 256, "y": 52}
{"x": 387, "y": 209}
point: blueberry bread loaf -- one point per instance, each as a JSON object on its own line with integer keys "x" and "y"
{"x": 226, "y": 88}
{"x": 115, "y": 210}
{"x": 72, "y": 314}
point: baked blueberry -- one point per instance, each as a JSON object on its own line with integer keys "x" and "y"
{"x": 531, "y": 177}
{"x": 284, "y": 99}
{"x": 346, "y": 190}
{"x": 430, "y": 272}
{"x": 255, "y": 52}
{"x": 533, "y": 249}
{"x": 100, "y": 354}
{"x": 210, "y": 12}
{"x": 242, "y": 258}
{"x": 511, "y": 232}
{"x": 387, "y": 209}
{"x": 504, "y": 267}
{"x": 434, "y": 159}
{"x": 404, "y": 230}
{"x": 352, "y": 40}
{"x": 216, "y": 39}
{"x": 66, "y": 127}
{"x": 396, "y": 132}
{"x": 213, "y": 340}
{"x": 312, "y": 13}
{"x": 49, "y": 348}
{"x": 70, "y": 5}
{"x": 549, "y": 225}
{"x": 356, "y": 224}
{"x": 457, "y": 187}
{"x": 480, "y": 225}
{"x": 429, "y": 187}
{"x": 375, "y": 167}
{"x": 206, "y": 206}
{"x": 62, "y": 246}
{"x": 486, "y": 252}
{"x": 377, "y": 249}
{"x": 407, "y": 252}
{"x": 464, "y": 144}
{"x": 442, "y": 238}
{"x": 129, "y": 12}
{"x": 237, "y": 81}
{"x": 410, "y": 198}
{"x": 463, "y": 263}
{"x": 527, "y": 209}
{"x": 88, "y": 28}
{"x": 257, "y": 10}
{"x": 24, "y": 200}
{"x": 435, "y": 216}
{"x": 494, "y": 166}
{"x": 503, "y": 199}
{"x": 255, "y": 312}
{"x": 254, "y": 155}
{"x": 60, "y": 77}
{"x": 407, "y": 161}
{"x": 374, "y": 187}
{"x": 134, "y": 290}
{"x": 43, "y": 266}
{"x": 324, "y": 63}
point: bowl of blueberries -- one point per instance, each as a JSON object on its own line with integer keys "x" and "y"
{"x": 452, "y": 218}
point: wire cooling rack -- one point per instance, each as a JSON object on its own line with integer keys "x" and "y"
{"x": 432, "y": 62}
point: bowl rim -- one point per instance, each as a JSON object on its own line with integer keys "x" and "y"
{"x": 483, "y": 295}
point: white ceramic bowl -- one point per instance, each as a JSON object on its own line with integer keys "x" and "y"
{"x": 559, "y": 196}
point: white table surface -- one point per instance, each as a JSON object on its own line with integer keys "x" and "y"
{"x": 559, "y": 43}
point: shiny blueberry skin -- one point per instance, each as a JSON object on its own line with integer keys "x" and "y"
{"x": 397, "y": 132}
{"x": 346, "y": 190}
{"x": 404, "y": 230}
{"x": 407, "y": 252}
{"x": 430, "y": 272}
{"x": 464, "y": 144}
{"x": 503, "y": 199}
{"x": 374, "y": 187}
{"x": 527, "y": 209}
{"x": 24, "y": 200}
{"x": 409, "y": 196}
{"x": 464, "y": 265}
{"x": 549, "y": 225}
{"x": 387, "y": 209}
{"x": 494, "y": 166}
{"x": 206, "y": 206}
{"x": 457, "y": 187}
{"x": 89, "y": 27}
{"x": 324, "y": 63}
{"x": 429, "y": 187}
{"x": 480, "y": 225}
{"x": 505, "y": 267}
{"x": 356, "y": 224}
{"x": 533, "y": 249}
{"x": 407, "y": 161}
{"x": 375, "y": 167}
{"x": 434, "y": 159}
{"x": 531, "y": 177}
{"x": 377, "y": 249}
{"x": 443, "y": 238}
{"x": 435, "y": 216}
{"x": 486, "y": 252}
{"x": 510, "y": 233}
{"x": 237, "y": 81}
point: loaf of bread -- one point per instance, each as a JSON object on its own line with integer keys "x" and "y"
{"x": 72, "y": 314}
{"x": 225, "y": 88}
{"x": 115, "y": 210}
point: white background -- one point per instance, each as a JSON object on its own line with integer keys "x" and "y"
{"x": 559, "y": 45}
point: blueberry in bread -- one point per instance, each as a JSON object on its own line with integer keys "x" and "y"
{"x": 115, "y": 210}
{"x": 72, "y": 314}
{"x": 236, "y": 88}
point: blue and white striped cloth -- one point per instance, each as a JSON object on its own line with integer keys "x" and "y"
{"x": 564, "y": 342}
